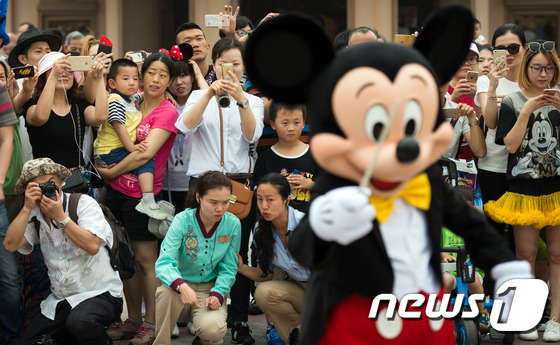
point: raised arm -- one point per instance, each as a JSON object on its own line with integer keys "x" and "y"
{"x": 39, "y": 114}
{"x": 489, "y": 101}
{"x": 474, "y": 137}
{"x": 90, "y": 90}
{"x": 15, "y": 238}
{"x": 96, "y": 115}
{"x": 193, "y": 116}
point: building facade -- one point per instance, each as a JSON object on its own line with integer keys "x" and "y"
{"x": 150, "y": 24}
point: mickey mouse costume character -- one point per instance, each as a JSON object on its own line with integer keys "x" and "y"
{"x": 375, "y": 100}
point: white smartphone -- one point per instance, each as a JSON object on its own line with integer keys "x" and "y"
{"x": 216, "y": 20}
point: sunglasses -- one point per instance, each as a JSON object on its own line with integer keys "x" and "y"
{"x": 512, "y": 48}
{"x": 547, "y": 46}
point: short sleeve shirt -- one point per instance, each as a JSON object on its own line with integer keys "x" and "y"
{"x": 164, "y": 117}
{"x": 75, "y": 275}
{"x": 538, "y": 156}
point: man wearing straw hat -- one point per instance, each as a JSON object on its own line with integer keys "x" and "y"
{"x": 85, "y": 290}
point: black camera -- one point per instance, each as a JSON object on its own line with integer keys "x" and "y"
{"x": 223, "y": 100}
{"x": 48, "y": 188}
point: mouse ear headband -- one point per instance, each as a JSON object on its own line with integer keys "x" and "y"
{"x": 181, "y": 52}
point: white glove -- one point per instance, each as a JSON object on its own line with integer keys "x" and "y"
{"x": 504, "y": 272}
{"x": 342, "y": 215}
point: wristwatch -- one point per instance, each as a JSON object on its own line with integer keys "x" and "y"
{"x": 474, "y": 123}
{"x": 244, "y": 104}
{"x": 62, "y": 223}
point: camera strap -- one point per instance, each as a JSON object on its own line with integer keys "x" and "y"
{"x": 80, "y": 143}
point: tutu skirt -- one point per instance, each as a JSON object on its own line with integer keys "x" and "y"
{"x": 528, "y": 202}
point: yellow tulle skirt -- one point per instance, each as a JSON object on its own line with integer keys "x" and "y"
{"x": 525, "y": 210}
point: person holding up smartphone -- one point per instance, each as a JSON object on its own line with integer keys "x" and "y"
{"x": 528, "y": 128}
{"x": 490, "y": 91}
{"x": 240, "y": 124}
{"x": 462, "y": 89}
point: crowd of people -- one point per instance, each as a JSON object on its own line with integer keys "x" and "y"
{"x": 182, "y": 125}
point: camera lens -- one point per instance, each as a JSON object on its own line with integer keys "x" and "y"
{"x": 224, "y": 101}
{"x": 48, "y": 189}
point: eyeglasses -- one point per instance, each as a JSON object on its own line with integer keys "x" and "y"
{"x": 512, "y": 48}
{"x": 473, "y": 60}
{"x": 242, "y": 33}
{"x": 548, "y": 46}
{"x": 537, "y": 69}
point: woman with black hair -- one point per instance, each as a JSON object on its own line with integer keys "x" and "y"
{"x": 186, "y": 78}
{"x": 281, "y": 300}
{"x": 197, "y": 263}
{"x": 123, "y": 194}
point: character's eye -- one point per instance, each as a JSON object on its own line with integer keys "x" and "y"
{"x": 412, "y": 119}
{"x": 377, "y": 118}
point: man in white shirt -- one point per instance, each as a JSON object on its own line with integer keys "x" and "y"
{"x": 85, "y": 290}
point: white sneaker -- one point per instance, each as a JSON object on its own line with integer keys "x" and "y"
{"x": 552, "y": 331}
{"x": 175, "y": 333}
{"x": 531, "y": 335}
{"x": 191, "y": 328}
{"x": 152, "y": 211}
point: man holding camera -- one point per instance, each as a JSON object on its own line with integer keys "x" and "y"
{"x": 85, "y": 290}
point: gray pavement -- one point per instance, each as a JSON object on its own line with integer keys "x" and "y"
{"x": 257, "y": 324}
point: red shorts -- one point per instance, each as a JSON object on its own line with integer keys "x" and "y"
{"x": 348, "y": 323}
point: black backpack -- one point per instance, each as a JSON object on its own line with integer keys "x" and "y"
{"x": 121, "y": 255}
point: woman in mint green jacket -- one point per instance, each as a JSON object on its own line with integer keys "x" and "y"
{"x": 197, "y": 263}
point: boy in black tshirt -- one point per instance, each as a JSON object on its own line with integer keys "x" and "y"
{"x": 289, "y": 156}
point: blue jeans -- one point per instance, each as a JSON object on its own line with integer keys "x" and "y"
{"x": 117, "y": 155}
{"x": 10, "y": 312}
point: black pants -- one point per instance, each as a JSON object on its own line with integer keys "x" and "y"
{"x": 241, "y": 289}
{"x": 83, "y": 325}
{"x": 493, "y": 186}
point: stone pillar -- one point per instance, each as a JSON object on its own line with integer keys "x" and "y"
{"x": 381, "y": 15}
{"x": 114, "y": 25}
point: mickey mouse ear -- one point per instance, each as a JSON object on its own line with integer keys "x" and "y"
{"x": 285, "y": 54}
{"x": 186, "y": 50}
{"x": 445, "y": 39}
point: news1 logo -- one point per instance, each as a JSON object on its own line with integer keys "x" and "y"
{"x": 518, "y": 307}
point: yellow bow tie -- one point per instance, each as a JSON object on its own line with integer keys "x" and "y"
{"x": 417, "y": 193}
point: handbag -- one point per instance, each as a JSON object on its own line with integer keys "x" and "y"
{"x": 159, "y": 228}
{"x": 77, "y": 182}
{"x": 241, "y": 193}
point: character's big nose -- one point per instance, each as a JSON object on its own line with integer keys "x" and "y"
{"x": 407, "y": 150}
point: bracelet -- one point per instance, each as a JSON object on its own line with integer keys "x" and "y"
{"x": 493, "y": 99}
{"x": 474, "y": 123}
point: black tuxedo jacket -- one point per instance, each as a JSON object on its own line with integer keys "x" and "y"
{"x": 363, "y": 267}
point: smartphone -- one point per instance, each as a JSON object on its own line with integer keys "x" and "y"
{"x": 500, "y": 55}
{"x": 138, "y": 56}
{"x": 406, "y": 40}
{"x": 81, "y": 63}
{"x": 23, "y": 72}
{"x": 105, "y": 45}
{"x": 216, "y": 20}
{"x": 472, "y": 76}
{"x": 450, "y": 112}
{"x": 225, "y": 68}
{"x": 552, "y": 92}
